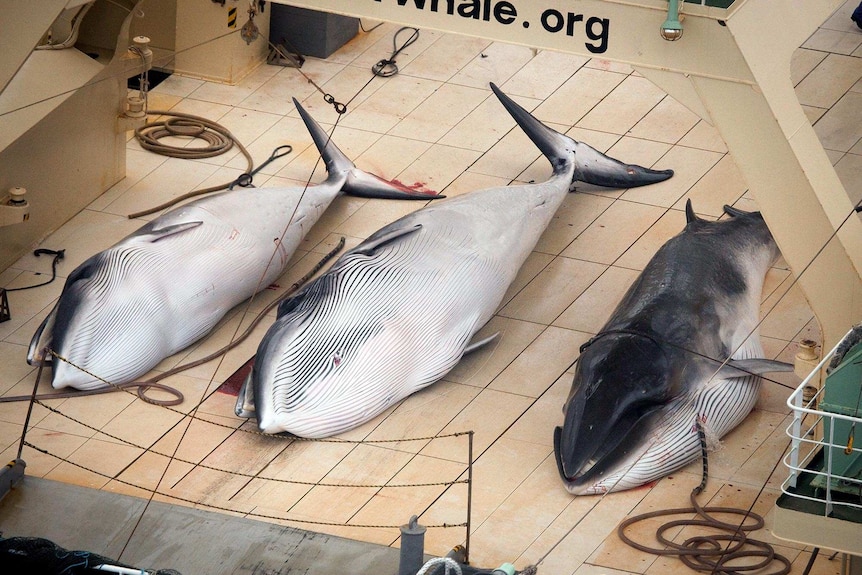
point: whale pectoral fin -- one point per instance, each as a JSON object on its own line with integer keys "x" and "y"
{"x": 367, "y": 248}
{"x": 474, "y": 345}
{"x": 734, "y": 212}
{"x": 755, "y": 366}
{"x": 42, "y": 340}
{"x": 289, "y": 304}
{"x": 155, "y": 235}
{"x": 558, "y": 433}
{"x": 245, "y": 399}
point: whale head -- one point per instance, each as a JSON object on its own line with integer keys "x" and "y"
{"x": 621, "y": 385}
{"x": 98, "y": 329}
{"x": 318, "y": 372}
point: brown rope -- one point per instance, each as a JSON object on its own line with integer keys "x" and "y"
{"x": 710, "y": 553}
{"x": 219, "y": 140}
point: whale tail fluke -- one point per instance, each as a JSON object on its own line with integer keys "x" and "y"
{"x": 598, "y": 169}
{"x": 555, "y": 146}
{"x": 591, "y": 166}
{"x": 358, "y": 182}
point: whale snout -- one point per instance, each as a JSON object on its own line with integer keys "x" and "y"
{"x": 65, "y": 374}
{"x": 620, "y": 386}
{"x": 584, "y": 446}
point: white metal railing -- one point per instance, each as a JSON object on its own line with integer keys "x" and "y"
{"x": 804, "y": 445}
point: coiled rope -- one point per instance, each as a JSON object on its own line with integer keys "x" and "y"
{"x": 449, "y": 566}
{"x": 387, "y": 67}
{"x": 179, "y": 124}
{"x": 709, "y": 553}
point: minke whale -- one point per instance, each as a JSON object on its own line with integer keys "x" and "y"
{"x": 168, "y": 284}
{"x": 680, "y": 351}
{"x": 398, "y": 311}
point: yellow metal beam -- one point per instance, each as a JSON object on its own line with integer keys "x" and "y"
{"x": 611, "y": 29}
{"x": 731, "y": 67}
{"x": 20, "y": 34}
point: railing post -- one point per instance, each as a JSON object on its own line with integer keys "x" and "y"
{"x": 469, "y": 495}
{"x": 30, "y": 408}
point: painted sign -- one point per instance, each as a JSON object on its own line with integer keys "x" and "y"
{"x": 619, "y": 30}
{"x": 595, "y": 29}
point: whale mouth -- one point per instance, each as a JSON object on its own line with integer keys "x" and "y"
{"x": 578, "y": 478}
{"x": 583, "y": 482}
{"x": 609, "y": 446}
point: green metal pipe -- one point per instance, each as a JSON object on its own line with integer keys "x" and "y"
{"x": 672, "y": 28}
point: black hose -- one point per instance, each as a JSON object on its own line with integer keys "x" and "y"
{"x": 58, "y": 255}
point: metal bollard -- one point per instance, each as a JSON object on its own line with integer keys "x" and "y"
{"x": 412, "y": 547}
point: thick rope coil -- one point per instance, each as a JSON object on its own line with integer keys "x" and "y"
{"x": 450, "y": 566}
{"x": 715, "y": 554}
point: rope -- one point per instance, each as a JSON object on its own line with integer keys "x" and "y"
{"x": 449, "y": 565}
{"x": 219, "y": 140}
{"x": 239, "y": 473}
{"x": 228, "y": 509}
{"x": 707, "y": 553}
{"x": 58, "y": 255}
{"x": 602, "y": 334}
{"x": 327, "y": 97}
{"x": 245, "y": 180}
{"x": 141, "y": 387}
{"x": 387, "y": 67}
{"x": 177, "y": 124}
{"x": 372, "y": 29}
{"x": 293, "y": 437}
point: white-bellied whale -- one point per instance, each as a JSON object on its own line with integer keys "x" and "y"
{"x": 397, "y": 312}
{"x": 168, "y": 284}
{"x": 681, "y": 350}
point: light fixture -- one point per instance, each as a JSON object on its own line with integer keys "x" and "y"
{"x": 671, "y": 29}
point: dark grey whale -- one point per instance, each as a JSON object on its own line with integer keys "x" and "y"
{"x": 680, "y": 349}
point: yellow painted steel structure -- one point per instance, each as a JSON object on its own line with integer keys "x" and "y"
{"x": 731, "y": 67}
{"x": 62, "y": 130}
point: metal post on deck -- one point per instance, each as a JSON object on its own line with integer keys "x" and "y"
{"x": 469, "y": 495}
{"x": 412, "y": 555}
{"x": 30, "y": 408}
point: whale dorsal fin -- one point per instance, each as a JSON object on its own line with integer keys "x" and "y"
{"x": 690, "y": 216}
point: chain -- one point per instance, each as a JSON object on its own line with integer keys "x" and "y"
{"x": 240, "y": 474}
{"x": 327, "y": 97}
{"x": 260, "y": 433}
{"x": 228, "y": 509}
